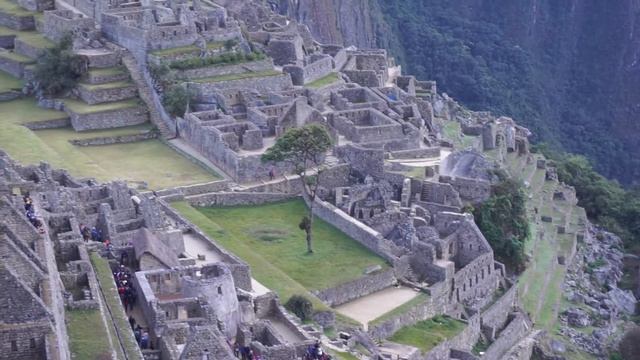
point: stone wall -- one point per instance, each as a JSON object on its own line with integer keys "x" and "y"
{"x": 121, "y": 139}
{"x": 236, "y": 198}
{"x": 108, "y": 119}
{"x": 463, "y": 341}
{"x": 11, "y": 66}
{"x": 496, "y": 315}
{"x": 204, "y": 91}
{"x": 94, "y": 96}
{"x": 418, "y": 312}
{"x": 219, "y": 70}
{"x": 57, "y": 23}
{"x": 24, "y": 342}
{"x": 357, "y": 288}
{"x": 472, "y": 190}
{"x": 24, "y": 48}
{"x": 517, "y": 329}
{"x": 17, "y": 22}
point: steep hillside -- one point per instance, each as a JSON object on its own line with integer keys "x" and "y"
{"x": 567, "y": 69}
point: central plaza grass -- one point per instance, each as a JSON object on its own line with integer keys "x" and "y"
{"x": 427, "y": 334}
{"x": 324, "y": 81}
{"x": 267, "y": 237}
{"x": 150, "y": 161}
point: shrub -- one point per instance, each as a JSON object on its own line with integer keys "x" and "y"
{"x": 58, "y": 69}
{"x": 176, "y": 100}
{"x": 301, "y": 306}
{"x": 223, "y": 59}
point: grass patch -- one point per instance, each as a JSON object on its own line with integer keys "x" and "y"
{"x": 336, "y": 258}
{"x": 324, "y": 81}
{"x": 427, "y": 334}
{"x": 246, "y": 75}
{"x": 422, "y": 297}
{"x": 35, "y": 39}
{"x": 8, "y": 82}
{"x": 88, "y": 338}
{"x": 9, "y": 7}
{"x": 116, "y": 70}
{"x": 112, "y": 300}
{"x": 80, "y": 107}
{"x": 107, "y": 86}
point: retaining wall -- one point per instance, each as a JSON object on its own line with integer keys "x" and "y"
{"x": 109, "y": 119}
{"x": 357, "y": 288}
{"x": 122, "y": 139}
{"x": 98, "y": 96}
{"x": 236, "y": 198}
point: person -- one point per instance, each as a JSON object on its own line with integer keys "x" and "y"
{"x": 144, "y": 340}
{"x": 138, "y": 334}
{"x": 132, "y": 322}
{"x": 272, "y": 173}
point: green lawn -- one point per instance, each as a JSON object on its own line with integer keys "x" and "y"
{"x": 88, "y": 337}
{"x": 150, "y": 161}
{"x": 245, "y": 75}
{"x": 267, "y": 237}
{"x": 427, "y": 334}
{"x": 80, "y": 107}
{"x": 8, "y": 82}
{"x": 324, "y": 81}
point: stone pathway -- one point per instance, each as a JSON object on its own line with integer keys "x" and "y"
{"x": 372, "y": 306}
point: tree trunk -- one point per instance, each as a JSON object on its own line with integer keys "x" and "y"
{"x": 310, "y": 236}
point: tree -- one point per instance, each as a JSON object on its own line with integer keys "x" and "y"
{"x": 303, "y": 148}
{"x": 58, "y": 69}
{"x": 176, "y": 100}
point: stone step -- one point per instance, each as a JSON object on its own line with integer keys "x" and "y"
{"x": 14, "y": 64}
{"x": 100, "y": 58}
{"x": 105, "y": 116}
{"x": 105, "y": 75}
{"x": 15, "y": 17}
{"x": 31, "y": 45}
{"x": 94, "y": 94}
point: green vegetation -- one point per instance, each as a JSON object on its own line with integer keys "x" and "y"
{"x": 88, "y": 337}
{"x": 283, "y": 264}
{"x": 238, "y": 76}
{"x": 303, "y": 148}
{"x": 81, "y": 107}
{"x": 9, "y": 7}
{"x": 421, "y": 298}
{"x": 8, "y": 82}
{"x": 35, "y": 39}
{"x": 324, "y": 81}
{"x": 113, "y": 302}
{"x": 503, "y": 221}
{"x": 605, "y": 201}
{"x": 427, "y": 334}
{"x": 176, "y": 99}
{"x": 301, "y": 306}
{"x": 117, "y": 70}
{"x": 223, "y": 59}
{"x": 58, "y": 68}
{"x": 480, "y": 347}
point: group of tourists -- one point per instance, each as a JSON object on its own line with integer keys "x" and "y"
{"x": 125, "y": 287}
{"x": 315, "y": 352}
{"x": 93, "y": 233}
{"x": 30, "y": 212}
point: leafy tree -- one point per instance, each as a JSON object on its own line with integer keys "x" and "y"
{"x": 176, "y": 100}
{"x": 503, "y": 221}
{"x": 301, "y": 306}
{"x": 303, "y": 148}
{"x": 58, "y": 69}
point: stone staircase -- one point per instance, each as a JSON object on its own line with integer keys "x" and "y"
{"x": 146, "y": 94}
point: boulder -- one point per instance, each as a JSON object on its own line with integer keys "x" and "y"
{"x": 623, "y": 300}
{"x": 577, "y": 317}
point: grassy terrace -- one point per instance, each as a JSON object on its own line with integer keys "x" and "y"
{"x": 9, "y": 7}
{"x": 324, "y": 81}
{"x": 80, "y": 107}
{"x": 150, "y": 160}
{"x": 35, "y": 39}
{"x": 8, "y": 82}
{"x": 16, "y": 57}
{"x": 106, "y": 86}
{"x": 88, "y": 337}
{"x": 112, "y": 301}
{"x": 267, "y": 237}
{"x": 239, "y": 76}
{"x": 107, "y": 71}
{"x": 427, "y": 334}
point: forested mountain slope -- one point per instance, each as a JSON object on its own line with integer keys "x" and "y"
{"x": 567, "y": 69}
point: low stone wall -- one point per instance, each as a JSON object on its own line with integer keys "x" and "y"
{"x": 357, "y": 288}
{"x": 122, "y": 139}
{"x": 6, "y": 41}
{"x": 109, "y": 119}
{"x": 418, "y": 312}
{"x": 218, "y": 70}
{"x": 17, "y": 22}
{"x": 416, "y": 153}
{"x": 236, "y": 198}
{"x": 26, "y": 49}
{"x": 93, "y": 78}
{"x": 260, "y": 84}
{"x": 356, "y": 230}
{"x": 9, "y": 95}
{"x": 99, "y": 96}
{"x": 516, "y": 330}
{"x": 496, "y": 315}
{"x": 48, "y": 124}
{"x": 214, "y": 186}
{"x": 12, "y": 67}
{"x": 463, "y": 341}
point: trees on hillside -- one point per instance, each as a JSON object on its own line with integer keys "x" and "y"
{"x": 304, "y": 148}
{"x": 58, "y": 69}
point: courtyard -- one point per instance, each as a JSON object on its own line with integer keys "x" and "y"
{"x": 267, "y": 237}
{"x": 427, "y": 334}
